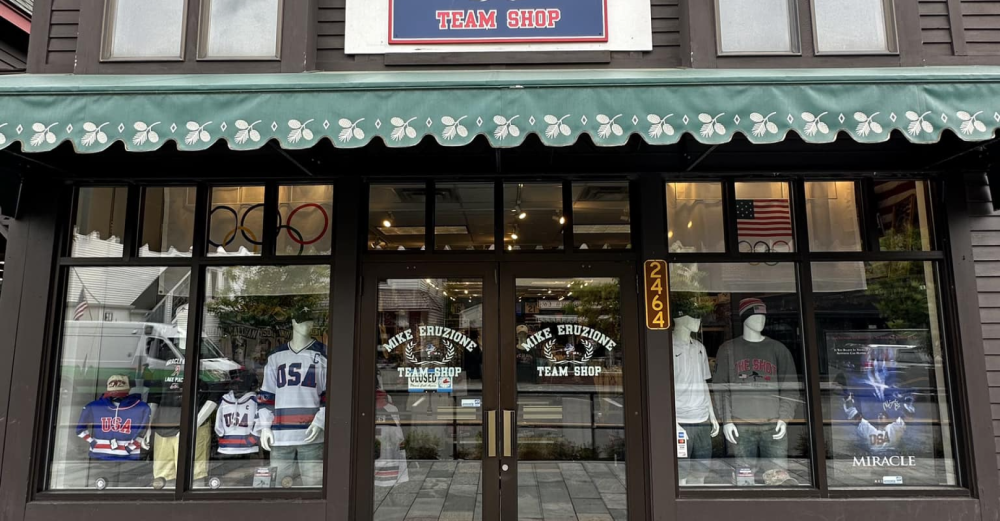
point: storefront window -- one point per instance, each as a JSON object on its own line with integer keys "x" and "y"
{"x": 463, "y": 216}
{"x": 883, "y": 379}
{"x": 695, "y": 218}
{"x": 601, "y": 216}
{"x": 261, "y": 400}
{"x": 832, "y": 211}
{"x": 304, "y": 219}
{"x": 904, "y": 216}
{"x": 428, "y": 448}
{"x": 236, "y": 221}
{"x": 739, "y": 376}
{"x": 99, "y": 223}
{"x": 763, "y": 217}
{"x": 167, "y": 221}
{"x": 533, "y": 216}
{"x": 396, "y": 215}
{"x": 123, "y": 330}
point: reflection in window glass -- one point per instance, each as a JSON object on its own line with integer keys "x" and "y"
{"x": 305, "y": 212}
{"x": 850, "y": 25}
{"x": 262, "y": 411}
{"x": 463, "y": 216}
{"x": 236, "y": 220}
{"x": 763, "y": 216}
{"x": 744, "y": 422}
{"x": 832, "y": 211}
{"x": 123, "y": 329}
{"x": 694, "y": 218}
{"x": 240, "y": 29}
{"x": 533, "y": 216}
{"x": 428, "y": 446}
{"x": 396, "y": 215}
{"x": 756, "y": 26}
{"x": 881, "y": 350}
{"x": 147, "y": 30}
{"x": 99, "y": 223}
{"x": 167, "y": 221}
{"x": 601, "y": 216}
{"x": 904, "y": 216}
{"x": 570, "y": 398}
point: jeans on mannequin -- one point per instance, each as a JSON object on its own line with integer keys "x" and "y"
{"x": 310, "y": 464}
{"x": 757, "y": 448}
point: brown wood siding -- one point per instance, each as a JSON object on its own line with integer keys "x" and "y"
{"x": 11, "y": 59}
{"x": 981, "y": 19}
{"x": 666, "y": 26}
{"x": 64, "y": 26}
{"x": 985, "y": 230}
{"x": 935, "y": 27}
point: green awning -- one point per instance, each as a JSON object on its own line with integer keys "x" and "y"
{"x": 401, "y": 108}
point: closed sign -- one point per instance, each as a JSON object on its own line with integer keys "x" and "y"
{"x": 657, "y": 289}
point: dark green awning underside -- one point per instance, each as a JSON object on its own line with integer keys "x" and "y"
{"x": 351, "y": 109}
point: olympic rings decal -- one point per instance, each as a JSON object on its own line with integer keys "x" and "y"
{"x": 240, "y": 226}
{"x": 764, "y": 247}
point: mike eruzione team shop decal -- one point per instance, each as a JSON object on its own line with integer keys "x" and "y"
{"x": 497, "y": 21}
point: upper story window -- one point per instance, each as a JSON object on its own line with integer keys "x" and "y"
{"x": 771, "y": 26}
{"x": 240, "y": 29}
{"x": 144, "y": 30}
{"x": 757, "y": 27}
{"x": 853, "y": 26}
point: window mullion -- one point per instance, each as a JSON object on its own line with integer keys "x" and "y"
{"x": 814, "y": 409}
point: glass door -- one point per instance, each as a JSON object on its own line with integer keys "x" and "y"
{"x": 571, "y": 428}
{"x": 430, "y": 422}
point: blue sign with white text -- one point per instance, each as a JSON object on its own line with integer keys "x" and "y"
{"x": 497, "y": 21}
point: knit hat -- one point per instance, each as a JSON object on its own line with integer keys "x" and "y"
{"x": 118, "y": 385}
{"x": 752, "y": 306}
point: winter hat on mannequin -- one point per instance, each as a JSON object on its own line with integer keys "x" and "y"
{"x": 752, "y": 306}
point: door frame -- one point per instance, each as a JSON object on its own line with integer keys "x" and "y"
{"x": 633, "y": 356}
{"x": 363, "y": 486}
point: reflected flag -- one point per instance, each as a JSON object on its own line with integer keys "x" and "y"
{"x": 81, "y": 306}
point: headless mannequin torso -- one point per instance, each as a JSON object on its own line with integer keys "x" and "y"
{"x": 301, "y": 339}
{"x": 753, "y": 328}
{"x": 684, "y": 327}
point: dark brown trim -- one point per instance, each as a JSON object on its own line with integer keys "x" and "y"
{"x": 39, "y": 218}
{"x": 38, "y": 41}
{"x": 344, "y": 303}
{"x": 957, "y": 26}
{"x": 907, "y": 32}
{"x": 967, "y": 353}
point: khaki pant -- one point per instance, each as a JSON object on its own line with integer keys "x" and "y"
{"x": 165, "y": 454}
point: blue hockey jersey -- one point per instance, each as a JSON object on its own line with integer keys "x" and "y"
{"x": 878, "y": 395}
{"x": 113, "y": 429}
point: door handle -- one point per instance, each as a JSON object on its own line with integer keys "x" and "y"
{"x": 491, "y": 434}
{"x": 508, "y": 433}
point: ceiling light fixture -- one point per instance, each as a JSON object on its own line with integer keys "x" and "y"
{"x": 387, "y": 222}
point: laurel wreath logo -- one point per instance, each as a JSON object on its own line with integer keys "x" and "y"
{"x": 587, "y": 355}
{"x": 412, "y": 358}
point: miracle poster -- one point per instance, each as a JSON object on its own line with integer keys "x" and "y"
{"x": 883, "y": 411}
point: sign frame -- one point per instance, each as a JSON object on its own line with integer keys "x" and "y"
{"x": 653, "y": 271}
{"x": 392, "y": 40}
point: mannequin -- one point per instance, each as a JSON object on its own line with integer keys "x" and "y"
{"x": 759, "y": 385}
{"x": 293, "y": 398}
{"x": 692, "y": 401}
{"x": 165, "y": 410}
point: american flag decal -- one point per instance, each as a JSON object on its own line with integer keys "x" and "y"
{"x": 763, "y": 219}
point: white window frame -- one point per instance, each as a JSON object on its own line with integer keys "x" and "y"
{"x": 108, "y": 36}
{"x": 204, "y": 24}
{"x": 891, "y": 34}
{"x": 795, "y": 36}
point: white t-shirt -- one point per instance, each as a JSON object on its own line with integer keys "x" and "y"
{"x": 691, "y": 399}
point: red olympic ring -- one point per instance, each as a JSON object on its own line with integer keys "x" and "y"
{"x": 326, "y": 224}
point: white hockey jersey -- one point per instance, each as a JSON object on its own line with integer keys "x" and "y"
{"x": 237, "y": 425}
{"x": 881, "y": 440}
{"x": 293, "y": 393}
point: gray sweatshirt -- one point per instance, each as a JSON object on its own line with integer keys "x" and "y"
{"x": 757, "y": 381}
